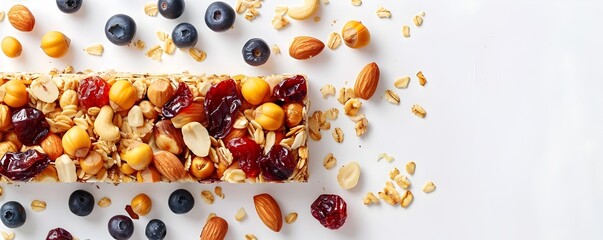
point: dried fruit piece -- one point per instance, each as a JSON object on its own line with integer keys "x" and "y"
{"x": 222, "y": 103}
{"x": 96, "y": 50}
{"x": 348, "y": 175}
{"x": 392, "y": 97}
{"x": 247, "y": 153}
{"x": 418, "y": 111}
{"x": 23, "y": 166}
{"x": 422, "y": 79}
{"x": 383, "y": 13}
{"x": 182, "y": 99}
{"x": 330, "y": 210}
{"x": 402, "y": 82}
{"x": 329, "y": 161}
{"x": 240, "y": 214}
{"x": 293, "y": 89}
{"x": 278, "y": 164}
{"x": 410, "y": 167}
{"x": 291, "y": 217}
{"x": 429, "y": 187}
{"x": 30, "y": 125}
{"x": 334, "y": 41}
{"x": 269, "y": 211}
{"x": 93, "y": 92}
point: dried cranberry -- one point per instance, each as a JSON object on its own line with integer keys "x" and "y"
{"x": 182, "y": 99}
{"x": 59, "y": 234}
{"x": 222, "y": 102}
{"x": 93, "y": 92}
{"x": 30, "y": 126}
{"x": 293, "y": 89}
{"x": 278, "y": 164}
{"x": 247, "y": 152}
{"x": 330, "y": 210}
{"x": 24, "y": 165}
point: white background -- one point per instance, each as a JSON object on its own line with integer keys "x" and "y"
{"x": 512, "y": 138}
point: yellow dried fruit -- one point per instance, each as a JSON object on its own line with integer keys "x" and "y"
{"x": 55, "y": 44}
{"x": 11, "y": 47}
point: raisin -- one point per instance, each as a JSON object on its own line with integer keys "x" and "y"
{"x": 93, "y": 92}
{"x": 247, "y": 152}
{"x": 59, "y": 234}
{"x": 222, "y": 103}
{"x": 278, "y": 164}
{"x": 24, "y": 165}
{"x": 293, "y": 89}
{"x": 30, "y": 126}
{"x": 182, "y": 99}
{"x": 330, "y": 210}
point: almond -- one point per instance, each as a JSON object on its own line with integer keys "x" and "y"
{"x": 215, "y": 229}
{"x": 367, "y": 81}
{"x": 268, "y": 211}
{"x": 193, "y": 113}
{"x": 305, "y": 47}
{"x": 21, "y": 18}
{"x": 169, "y": 165}
{"x": 167, "y": 137}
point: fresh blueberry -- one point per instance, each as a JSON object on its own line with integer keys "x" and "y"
{"x": 155, "y": 230}
{"x": 219, "y": 16}
{"x": 69, "y": 6}
{"x": 59, "y": 234}
{"x": 13, "y": 214}
{"x": 81, "y": 203}
{"x": 170, "y": 9}
{"x": 120, "y": 29}
{"x": 181, "y": 201}
{"x": 121, "y": 227}
{"x": 184, "y": 35}
{"x": 256, "y": 52}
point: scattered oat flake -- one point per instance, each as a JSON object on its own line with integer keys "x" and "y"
{"x": 155, "y": 53}
{"x": 139, "y": 44}
{"x": 329, "y": 161}
{"x": 356, "y": 2}
{"x": 281, "y": 10}
{"x": 38, "y": 205}
{"x": 2, "y": 16}
{"x": 240, "y": 214}
{"x": 406, "y": 199}
{"x": 383, "y": 13}
{"x": 418, "y": 110}
{"x": 291, "y": 217}
{"x": 334, "y": 41}
{"x": 250, "y": 237}
{"x": 169, "y": 46}
{"x": 337, "y": 135}
{"x": 95, "y": 50}
{"x": 1, "y": 191}
{"x": 370, "y": 199}
{"x": 422, "y": 79}
{"x": 207, "y": 197}
{"x": 316, "y": 19}
{"x": 361, "y": 127}
{"x": 385, "y": 157}
{"x": 279, "y": 22}
{"x": 393, "y": 173}
{"x": 150, "y": 9}
{"x": 429, "y": 187}
{"x": 211, "y": 215}
{"x": 104, "y": 202}
{"x": 421, "y": 13}
{"x": 325, "y": 2}
{"x": 410, "y": 167}
{"x": 327, "y": 90}
{"x": 198, "y": 55}
{"x": 406, "y": 31}
{"x": 276, "y": 50}
{"x": 392, "y": 97}
{"x": 402, "y": 181}
{"x": 218, "y": 192}
{"x": 418, "y": 20}
{"x": 162, "y": 36}
{"x": 332, "y": 113}
{"x": 8, "y": 235}
{"x": 402, "y": 82}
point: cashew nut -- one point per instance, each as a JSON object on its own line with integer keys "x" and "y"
{"x": 304, "y": 11}
{"x": 103, "y": 125}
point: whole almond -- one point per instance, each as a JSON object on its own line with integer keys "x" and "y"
{"x": 268, "y": 211}
{"x": 21, "y": 18}
{"x": 169, "y": 165}
{"x": 367, "y": 81}
{"x": 305, "y": 47}
{"x": 215, "y": 229}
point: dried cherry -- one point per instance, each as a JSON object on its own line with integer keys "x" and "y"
{"x": 59, "y": 234}
{"x": 222, "y": 103}
{"x": 30, "y": 126}
{"x": 293, "y": 89}
{"x": 182, "y": 99}
{"x": 278, "y": 164}
{"x": 330, "y": 210}
{"x": 247, "y": 152}
{"x": 24, "y": 165}
{"x": 93, "y": 92}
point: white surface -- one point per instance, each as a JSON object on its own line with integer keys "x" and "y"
{"x": 512, "y": 138}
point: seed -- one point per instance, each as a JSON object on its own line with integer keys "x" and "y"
{"x": 337, "y": 135}
{"x": 330, "y": 161}
{"x": 356, "y": 2}
{"x": 405, "y": 31}
{"x": 240, "y": 214}
{"x": 406, "y": 199}
{"x": 95, "y": 50}
{"x": 8, "y": 235}
{"x": 276, "y": 50}
{"x": 334, "y": 41}
{"x": 392, "y": 97}
{"x": 393, "y": 173}
{"x": 383, "y": 13}
{"x": 291, "y": 217}
{"x": 327, "y": 90}
{"x": 197, "y": 54}
{"x": 369, "y": 199}
{"x": 207, "y": 197}
{"x": 422, "y": 79}
{"x": 150, "y": 9}
{"x": 155, "y": 53}
{"x": 418, "y": 20}
{"x": 410, "y": 167}
{"x": 218, "y": 191}
{"x": 386, "y": 157}
{"x": 250, "y": 237}
{"x": 38, "y": 205}
{"x": 418, "y": 111}
{"x": 402, "y": 82}
{"x": 104, "y": 202}
{"x": 429, "y": 187}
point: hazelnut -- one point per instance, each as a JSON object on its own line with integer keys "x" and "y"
{"x": 52, "y": 146}
{"x": 122, "y": 95}
{"x": 92, "y": 163}
{"x": 49, "y": 174}
{"x": 138, "y": 155}
{"x": 148, "y": 109}
{"x": 269, "y": 115}
{"x": 76, "y": 142}
{"x": 5, "y": 117}
{"x": 160, "y": 92}
{"x": 355, "y": 34}
{"x": 167, "y": 137}
{"x": 202, "y": 167}
{"x": 293, "y": 114}
{"x": 141, "y": 204}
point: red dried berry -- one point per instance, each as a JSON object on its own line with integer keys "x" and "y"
{"x": 93, "y": 92}
{"x": 278, "y": 164}
{"x": 30, "y": 126}
{"x": 330, "y": 210}
{"x": 247, "y": 152}
{"x": 24, "y": 165}
{"x": 182, "y": 99}
{"x": 222, "y": 103}
{"x": 293, "y": 89}
{"x": 59, "y": 234}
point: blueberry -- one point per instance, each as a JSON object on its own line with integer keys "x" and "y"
{"x": 184, "y": 35}
{"x": 69, "y": 6}
{"x": 120, "y": 29}
{"x": 155, "y": 230}
{"x": 219, "y": 16}
{"x": 59, "y": 234}
{"x": 170, "y": 9}
{"x": 121, "y": 227}
{"x": 181, "y": 201}
{"x": 81, "y": 203}
{"x": 13, "y": 214}
{"x": 256, "y": 52}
